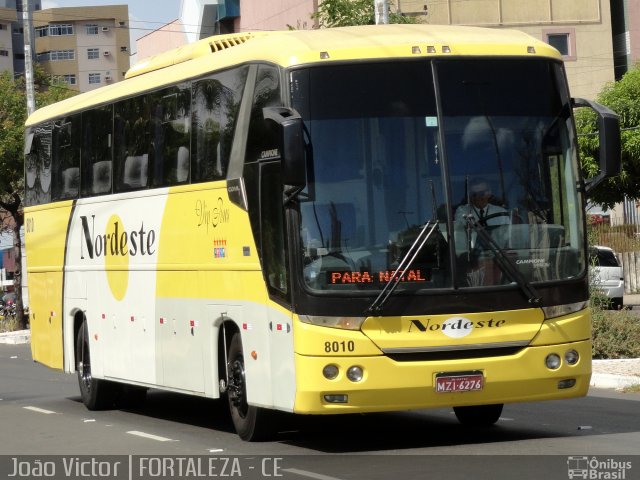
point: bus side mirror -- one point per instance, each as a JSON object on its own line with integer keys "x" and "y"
{"x": 609, "y": 136}
{"x": 291, "y": 144}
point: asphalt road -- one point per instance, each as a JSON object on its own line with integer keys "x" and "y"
{"x": 41, "y": 414}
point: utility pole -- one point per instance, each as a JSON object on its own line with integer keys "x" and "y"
{"x": 382, "y": 11}
{"x": 28, "y": 57}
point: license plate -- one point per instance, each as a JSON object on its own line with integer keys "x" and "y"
{"x": 450, "y": 383}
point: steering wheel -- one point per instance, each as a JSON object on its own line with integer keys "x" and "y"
{"x": 483, "y": 221}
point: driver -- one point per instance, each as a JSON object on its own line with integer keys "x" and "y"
{"x": 480, "y": 206}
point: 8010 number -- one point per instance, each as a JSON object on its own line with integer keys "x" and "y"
{"x": 339, "y": 347}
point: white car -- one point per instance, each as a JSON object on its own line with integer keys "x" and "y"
{"x": 608, "y": 275}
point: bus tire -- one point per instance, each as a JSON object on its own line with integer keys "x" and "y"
{"x": 479, "y": 415}
{"x": 251, "y": 423}
{"x": 95, "y": 394}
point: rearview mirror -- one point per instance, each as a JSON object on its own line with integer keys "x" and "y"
{"x": 609, "y": 135}
{"x": 291, "y": 144}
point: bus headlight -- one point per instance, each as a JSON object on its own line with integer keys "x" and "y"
{"x": 346, "y": 323}
{"x": 355, "y": 373}
{"x": 560, "y": 310}
{"x": 330, "y": 372}
{"x": 552, "y": 361}
{"x": 571, "y": 356}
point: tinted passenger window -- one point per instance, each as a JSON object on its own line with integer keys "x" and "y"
{"x": 134, "y": 151}
{"x": 66, "y": 158}
{"x": 97, "y": 128}
{"x": 170, "y": 124}
{"x": 262, "y": 135}
{"x": 38, "y": 165}
{"x": 216, "y": 101}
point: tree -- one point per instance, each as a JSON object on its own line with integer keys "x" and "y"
{"x": 344, "y": 13}
{"x": 13, "y": 114}
{"x": 623, "y": 97}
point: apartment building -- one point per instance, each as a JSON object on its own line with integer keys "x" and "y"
{"x": 580, "y": 29}
{"x": 85, "y": 47}
{"x": 7, "y": 17}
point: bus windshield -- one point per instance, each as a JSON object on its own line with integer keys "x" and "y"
{"x": 463, "y": 143}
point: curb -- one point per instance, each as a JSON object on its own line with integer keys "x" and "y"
{"x": 15, "y": 338}
{"x": 610, "y": 380}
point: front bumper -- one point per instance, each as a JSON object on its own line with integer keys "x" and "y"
{"x": 390, "y": 385}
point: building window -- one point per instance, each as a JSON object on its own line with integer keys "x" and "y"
{"x": 18, "y": 56}
{"x": 54, "y": 30}
{"x": 3, "y": 26}
{"x": 61, "y": 29}
{"x": 4, "y": 53}
{"x": 94, "y": 78}
{"x": 93, "y": 53}
{"x": 563, "y": 41}
{"x": 124, "y": 49}
{"x": 56, "y": 55}
{"x": 69, "y": 79}
{"x": 92, "y": 29}
{"x": 559, "y": 41}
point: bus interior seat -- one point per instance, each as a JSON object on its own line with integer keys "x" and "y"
{"x": 136, "y": 171}
{"x": 182, "y": 165}
{"x": 101, "y": 177}
{"x": 71, "y": 182}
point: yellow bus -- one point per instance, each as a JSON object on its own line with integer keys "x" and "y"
{"x": 357, "y": 219}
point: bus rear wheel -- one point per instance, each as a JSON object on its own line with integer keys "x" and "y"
{"x": 251, "y": 423}
{"x": 95, "y": 394}
{"x": 478, "y": 415}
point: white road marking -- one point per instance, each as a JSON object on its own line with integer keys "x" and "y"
{"x": 214, "y": 450}
{"x": 39, "y": 410}
{"x": 150, "y": 436}
{"x": 305, "y": 473}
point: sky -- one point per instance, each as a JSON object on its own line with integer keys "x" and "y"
{"x": 144, "y": 15}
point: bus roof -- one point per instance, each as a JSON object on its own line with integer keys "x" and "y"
{"x": 300, "y": 47}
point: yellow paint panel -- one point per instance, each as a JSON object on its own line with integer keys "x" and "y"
{"x": 453, "y": 330}
{"x": 45, "y": 237}
{"x": 211, "y": 253}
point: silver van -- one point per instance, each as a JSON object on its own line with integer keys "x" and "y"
{"x": 607, "y": 274}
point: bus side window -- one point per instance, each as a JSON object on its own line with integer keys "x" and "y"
{"x": 134, "y": 151}
{"x": 97, "y": 134}
{"x": 170, "y": 135}
{"x": 38, "y": 166}
{"x": 66, "y": 158}
{"x": 262, "y": 139}
{"x": 215, "y": 106}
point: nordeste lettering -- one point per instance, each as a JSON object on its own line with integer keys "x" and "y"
{"x": 120, "y": 242}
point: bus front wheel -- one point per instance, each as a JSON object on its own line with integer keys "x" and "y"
{"x": 95, "y": 394}
{"x": 251, "y": 423}
{"x": 478, "y": 415}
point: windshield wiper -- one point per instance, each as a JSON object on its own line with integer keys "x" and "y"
{"x": 406, "y": 262}
{"x": 504, "y": 262}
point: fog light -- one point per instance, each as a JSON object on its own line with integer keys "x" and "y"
{"x": 568, "y": 383}
{"x": 336, "y": 398}
{"x": 330, "y": 372}
{"x": 572, "y": 357}
{"x": 355, "y": 373}
{"x": 552, "y": 361}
